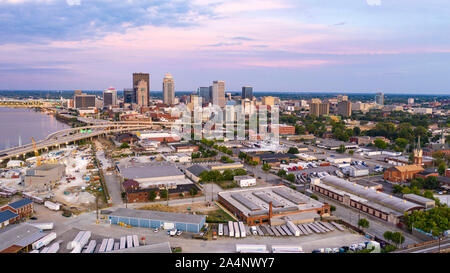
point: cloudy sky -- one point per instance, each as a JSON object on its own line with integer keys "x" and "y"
{"x": 400, "y": 46}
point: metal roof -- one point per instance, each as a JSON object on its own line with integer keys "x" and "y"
{"x": 244, "y": 201}
{"x": 154, "y": 248}
{"x": 197, "y": 169}
{"x": 417, "y": 198}
{"x": 7, "y": 215}
{"x": 159, "y": 215}
{"x": 381, "y": 198}
{"x": 266, "y": 198}
{"x": 294, "y": 199}
{"x": 136, "y": 171}
{"x": 20, "y": 203}
{"x": 17, "y": 233}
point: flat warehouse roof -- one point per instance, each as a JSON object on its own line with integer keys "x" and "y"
{"x": 18, "y": 234}
{"x": 159, "y": 216}
{"x": 255, "y": 201}
{"x": 142, "y": 170}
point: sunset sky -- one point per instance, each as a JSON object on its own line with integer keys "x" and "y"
{"x": 400, "y": 46}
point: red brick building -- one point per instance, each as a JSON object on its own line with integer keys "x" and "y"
{"x": 24, "y": 208}
{"x": 398, "y": 174}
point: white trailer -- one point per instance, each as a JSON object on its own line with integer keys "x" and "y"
{"x": 135, "y": 241}
{"x": 293, "y": 228}
{"x": 76, "y": 249}
{"x": 237, "y": 233}
{"x": 220, "y": 231}
{"x": 231, "y": 228}
{"x": 103, "y": 246}
{"x": 129, "y": 241}
{"x": 84, "y": 239}
{"x": 52, "y": 206}
{"x": 53, "y": 248}
{"x": 91, "y": 247}
{"x": 241, "y": 248}
{"x": 43, "y": 226}
{"x": 75, "y": 241}
{"x": 34, "y": 251}
{"x": 45, "y": 250}
{"x": 110, "y": 245}
{"x": 123, "y": 242}
{"x": 116, "y": 246}
{"x": 44, "y": 241}
{"x": 287, "y": 249}
{"x": 242, "y": 229}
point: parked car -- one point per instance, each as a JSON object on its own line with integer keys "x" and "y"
{"x": 335, "y": 250}
{"x": 179, "y": 232}
{"x": 156, "y": 230}
{"x": 33, "y": 218}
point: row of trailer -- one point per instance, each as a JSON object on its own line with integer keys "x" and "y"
{"x": 247, "y": 248}
{"x": 233, "y": 229}
{"x": 109, "y": 244}
{"x": 239, "y": 230}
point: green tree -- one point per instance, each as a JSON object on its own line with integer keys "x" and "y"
{"x": 341, "y": 149}
{"x": 152, "y": 195}
{"x": 293, "y": 150}
{"x": 124, "y": 145}
{"x": 398, "y": 238}
{"x": 163, "y": 193}
{"x": 281, "y": 173}
{"x": 314, "y": 197}
{"x": 363, "y": 223}
{"x": 290, "y": 177}
{"x": 401, "y": 142}
{"x": 380, "y": 144}
{"x": 351, "y": 152}
{"x": 266, "y": 167}
{"x": 193, "y": 191}
{"x": 442, "y": 167}
{"x": 387, "y": 235}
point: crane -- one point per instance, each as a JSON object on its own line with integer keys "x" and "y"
{"x": 36, "y": 153}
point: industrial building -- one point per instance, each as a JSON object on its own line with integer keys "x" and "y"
{"x": 44, "y": 177}
{"x": 19, "y": 238}
{"x": 135, "y": 195}
{"x": 273, "y": 158}
{"x": 368, "y": 200}
{"x": 273, "y": 205}
{"x": 245, "y": 181}
{"x": 157, "y": 219}
{"x": 426, "y": 202}
{"x": 194, "y": 171}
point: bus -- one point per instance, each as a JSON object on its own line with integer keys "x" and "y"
{"x": 220, "y": 232}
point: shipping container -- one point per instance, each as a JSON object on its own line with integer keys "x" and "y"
{"x": 241, "y": 248}
{"x": 293, "y": 228}
{"x": 110, "y": 245}
{"x": 231, "y": 228}
{"x": 287, "y": 249}
{"x": 129, "y": 241}
{"x": 44, "y": 241}
{"x": 237, "y": 233}
{"x": 53, "y": 248}
{"x": 220, "y": 229}
{"x": 91, "y": 247}
{"x": 242, "y": 229}
{"x": 135, "y": 241}
{"x": 103, "y": 246}
{"x": 43, "y": 226}
{"x": 123, "y": 242}
{"x": 51, "y": 205}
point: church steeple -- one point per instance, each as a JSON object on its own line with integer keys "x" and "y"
{"x": 418, "y": 154}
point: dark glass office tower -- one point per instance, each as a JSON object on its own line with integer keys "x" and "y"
{"x": 247, "y": 92}
{"x": 129, "y": 96}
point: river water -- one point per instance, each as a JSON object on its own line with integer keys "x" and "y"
{"x": 18, "y": 125}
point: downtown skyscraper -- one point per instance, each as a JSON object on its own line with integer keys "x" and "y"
{"x": 247, "y": 92}
{"x": 218, "y": 93}
{"x": 168, "y": 89}
{"x": 141, "y": 88}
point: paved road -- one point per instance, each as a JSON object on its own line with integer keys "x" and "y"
{"x": 431, "y": 248}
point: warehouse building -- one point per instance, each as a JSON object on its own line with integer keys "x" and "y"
{"x": 44, "y": 177}
{"x": 368, "y": 200}
{"x": 257, "y": 206}
{"x": 153, "y": 175}
{"x": 245, "y": 180}
{"x": 426, "y": 202}
{"x": 273, "y": 158}
{"x": 157, "y": 219}
{"x": 19, "y": 238}
{"x": 195, "y": 170}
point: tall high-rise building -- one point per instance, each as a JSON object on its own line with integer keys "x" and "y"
{"x": 129, "y": 96}
{"x": 84, "y": 100}
{"x": 247, "y": 92}
{"x": 168, "y": 89}
{"x": 110, "y": 97}
{"x": 319, "y": 109}
{"x": 344, "y": 108}
{"x": 218, "y": 93}
{"x": 379, "y": 98}
{"x": 142, "y": 94}
{"x": 203, "y": 92}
